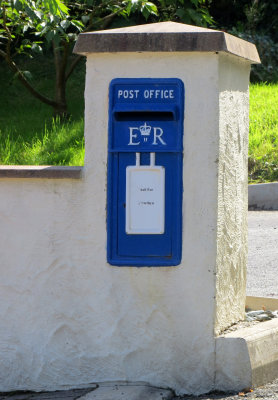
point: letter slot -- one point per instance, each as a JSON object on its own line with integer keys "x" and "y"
{"x": 144, "y": 180}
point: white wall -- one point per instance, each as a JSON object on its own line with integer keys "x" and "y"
{"x": 42, "y": 284}
{"x": 232, "y": 191}
{"x": 163, "y": 316}
{"x": 69, "y": 318}
{"x": 263, "y": 196}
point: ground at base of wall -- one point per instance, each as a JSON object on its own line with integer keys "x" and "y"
{"x": 252, "y": 318}
{"x": 98, "y": 391}
{"x": 72, "y": 394}
{"x": 266, "y": 392}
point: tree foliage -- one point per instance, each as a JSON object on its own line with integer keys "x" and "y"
{"x": 29, "y": 26}
{"x": 255, "y": 21}
{"x": 32, "y": 26}
{"x": 247, "y": 16}
{"x": 194, "y": 12}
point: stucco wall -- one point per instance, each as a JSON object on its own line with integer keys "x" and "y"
{"x": 162, "y": 317}
{"x": 69, "y": 318}
{"x": 43, "y": 308}
{"x": 232, "y": 191}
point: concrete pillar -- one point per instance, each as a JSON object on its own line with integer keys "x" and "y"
{"x": 158, "y": 325}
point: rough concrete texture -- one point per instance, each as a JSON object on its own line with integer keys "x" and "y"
{"x": 262, "y": 278}
{"x": 263, "y": 196}
{"x": 247, "y": 357}
{"x": 130, "y": 392}
{"x": 232, "y": 192}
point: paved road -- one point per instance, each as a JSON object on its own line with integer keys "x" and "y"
{"x": 262, "y": 271}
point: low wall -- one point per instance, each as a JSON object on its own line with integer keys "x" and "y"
{"x": 263, "y": 196}
{"x": 43, "y": 314}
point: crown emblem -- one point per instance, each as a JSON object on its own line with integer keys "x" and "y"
{"x": 145, "y": 129}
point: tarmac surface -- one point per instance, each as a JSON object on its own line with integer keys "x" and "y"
{"x": 262, "y": 281}
{"x": 262, "y": 274}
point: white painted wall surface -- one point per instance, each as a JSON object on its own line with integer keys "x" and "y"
{"x": 162, "y": 317}
{"x": 69, "y": 318}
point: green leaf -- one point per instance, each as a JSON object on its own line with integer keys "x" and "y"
{"x": 25, "y": 28}
{"x": 145, "y": 12}
{"x": 60, "y": 30}
{"x": 44, "y": 31}
{"x": 27, "y": 75}
{"x": 85, "y": 19}
{"x": 62, "y": 7}
{"x": 180, "y": 13}
{"x": 56, "y": 7}
{"x": 65, "y": 24}
{"x": 31, "y": 14}
{"x": 72, "y": 36}
{"x": 195, "y": 16}
{"x": 147, "y": 9}
{"x": 17, "y": 5}
{"x": 152, "y": 8}
{"x": 195, "y": 2}
{"x": 77, "y": 24}
{"x": 50, "y": 35}
{"x": 36, "y": 48}
{"x": 56, "y": 38}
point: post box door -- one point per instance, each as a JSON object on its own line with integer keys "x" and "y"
{"x": 145, "y": 173}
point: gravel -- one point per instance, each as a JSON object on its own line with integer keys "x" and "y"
{"x": 267, "y": 392}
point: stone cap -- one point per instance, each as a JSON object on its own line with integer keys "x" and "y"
{"x": 165, "y": 37}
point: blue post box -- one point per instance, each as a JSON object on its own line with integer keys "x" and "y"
{"x": 144, "y": 183}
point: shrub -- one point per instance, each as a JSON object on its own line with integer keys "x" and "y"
{"x": 267, "y": 48}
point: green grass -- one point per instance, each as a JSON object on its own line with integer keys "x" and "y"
{"x": 263, "y": 137}
{"x": 58, "y": 144}
{"x": 28, "y": 132}
{"x": 29, "y": 135}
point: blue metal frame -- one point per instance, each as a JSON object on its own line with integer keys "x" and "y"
{"x": 145, "y": 250}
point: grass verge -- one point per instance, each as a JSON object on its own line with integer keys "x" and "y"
{"x": 263, "y": 133}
